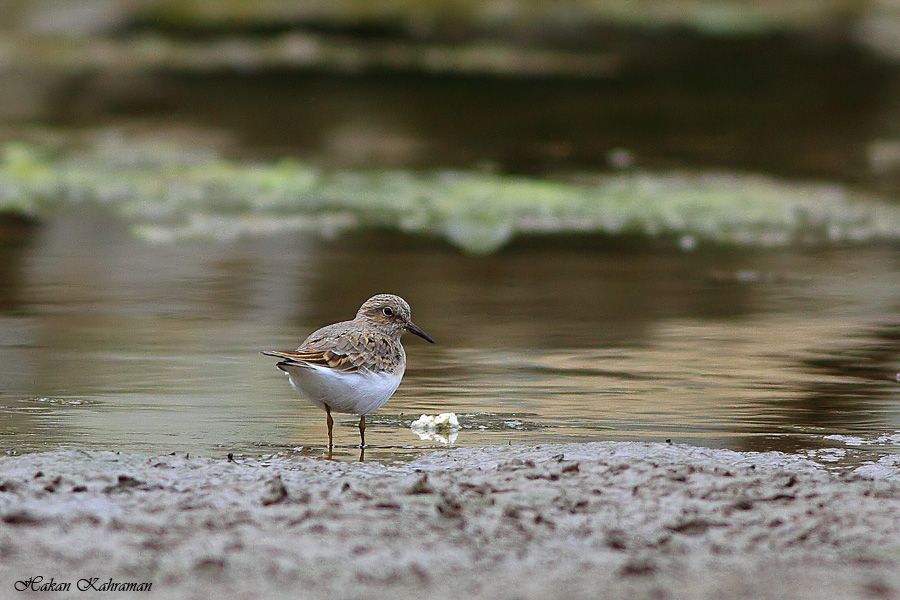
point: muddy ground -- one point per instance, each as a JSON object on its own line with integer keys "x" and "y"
{"x": 601, "y": 520}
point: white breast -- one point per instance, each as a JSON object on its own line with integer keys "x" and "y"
{"x": 359, "y": 393}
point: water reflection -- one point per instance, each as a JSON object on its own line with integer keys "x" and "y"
{"x": 665, "y": 112}
{"x": 776, "y": 107}
{"x": 108, "y": 342}
{"x": 16, "y": 238}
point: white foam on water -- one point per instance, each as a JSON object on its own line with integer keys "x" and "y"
{"x": 886, "y": 439}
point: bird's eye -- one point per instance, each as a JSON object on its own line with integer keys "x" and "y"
{"x": 387, "y": 311}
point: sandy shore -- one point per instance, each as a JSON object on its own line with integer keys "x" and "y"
{"x": 603, "y": 520}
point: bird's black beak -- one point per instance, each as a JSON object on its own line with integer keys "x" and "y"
{"x": 413, "y": 328}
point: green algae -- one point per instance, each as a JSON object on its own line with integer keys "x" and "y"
{"x": 295, "y": 50}
{"x": 421, "y": 17}
{"x": 487, "y": 35}
{"x": 169, "y": 193}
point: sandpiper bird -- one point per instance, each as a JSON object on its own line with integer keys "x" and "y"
{"x": 353, "y": 366}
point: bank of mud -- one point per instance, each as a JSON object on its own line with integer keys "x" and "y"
{"x": 613, "y": 520}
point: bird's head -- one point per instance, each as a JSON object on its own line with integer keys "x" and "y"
{"x": 391, "y": 314}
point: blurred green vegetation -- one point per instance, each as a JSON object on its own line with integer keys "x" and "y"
{"x": 446, "y": 17}
{"x": 527, "y": 36}
{"x": 169, "y": 192}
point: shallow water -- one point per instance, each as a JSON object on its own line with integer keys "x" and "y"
{"x": 109, "y": 342}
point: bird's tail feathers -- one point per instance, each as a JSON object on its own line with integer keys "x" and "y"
{"x": 289, "y": 359}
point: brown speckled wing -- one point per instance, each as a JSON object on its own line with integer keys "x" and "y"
{"x": 347, "y": 348}
{"x": 328, "y": 358}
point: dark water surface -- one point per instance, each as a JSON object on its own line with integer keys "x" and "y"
{"x": 108, "y": 342}
{"x": 773, "y": 108}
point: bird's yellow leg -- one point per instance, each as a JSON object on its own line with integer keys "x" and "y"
{"x": 362, "y": 431}
{"x": 330, "y": 422}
